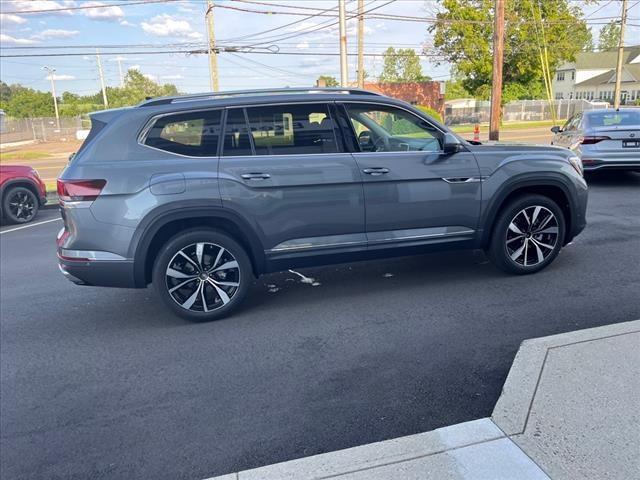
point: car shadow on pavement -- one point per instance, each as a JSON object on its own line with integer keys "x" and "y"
{"x": 613, "y": 178}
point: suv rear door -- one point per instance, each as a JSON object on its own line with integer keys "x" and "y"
{"x": 414, "y": 192}
{"x": 288, "y": 174}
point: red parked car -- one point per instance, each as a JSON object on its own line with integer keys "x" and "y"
{"x": 22, "y": 193}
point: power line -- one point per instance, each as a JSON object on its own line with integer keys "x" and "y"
{"x": 86, "y": 7}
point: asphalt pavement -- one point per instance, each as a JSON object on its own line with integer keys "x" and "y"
{"x": 104, "y": 383}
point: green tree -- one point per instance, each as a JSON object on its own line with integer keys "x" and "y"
{"x": 609, "y": 36}
{"x": 5, "y": 92}
{"x": 328, "y": 80}
{"x": 402, "y": 65}
{"x": 455, "y": 89}
{"x": 27, "y": 102}
{"x": 463, "y": 31}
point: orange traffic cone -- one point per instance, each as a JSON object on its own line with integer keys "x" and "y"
{"x": 476, "y": 133}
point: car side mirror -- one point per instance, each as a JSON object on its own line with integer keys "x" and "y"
{"x": 556, "y": 129}
{"x": 364, "y": 140}
{"x": 451, "y": 144}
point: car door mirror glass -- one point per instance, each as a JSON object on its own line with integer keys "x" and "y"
{"x": 556, "y": 129}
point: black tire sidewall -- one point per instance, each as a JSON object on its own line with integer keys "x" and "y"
{"x": 498, "y": 249}
{"x": 6, "y": 212}
{"x": 189, "y": 237}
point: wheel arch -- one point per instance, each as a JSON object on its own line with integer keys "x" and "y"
{"x": 155, "y": 232}
{"x": 19, "y": 182}
{"x": 553, "y": 188}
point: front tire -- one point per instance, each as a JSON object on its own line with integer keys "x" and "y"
{"x": 20, "y": 205}
{"x": 202, "y": 275}
{"x": 527, "y": 235}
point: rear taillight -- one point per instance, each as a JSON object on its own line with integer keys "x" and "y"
{"x": 591, "y": 140}
{"x": 79, "y": 190}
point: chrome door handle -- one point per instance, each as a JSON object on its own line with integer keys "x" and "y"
{"x": 375, "y": 171}
{"x": 255, "y": 176}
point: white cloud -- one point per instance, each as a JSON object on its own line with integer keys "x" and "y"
{"x": 16, "y": 41}
{"x": 60, "y": 77}
{"x": 148, "y": 76}
{"x": 10, "y": 18}
{"x": 125, "y": 23}
{"x": 172, "y": 77}
{"x": 109, "y": 13}
{"x": 167, "y": 26}
{"x": 35, "y": 5}
{"x": 56, "y": 33}
{"x": 303, "y": 45}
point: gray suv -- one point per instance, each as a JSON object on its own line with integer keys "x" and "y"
{"x": 199, "y": 194}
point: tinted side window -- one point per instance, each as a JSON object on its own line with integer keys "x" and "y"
{"x": 388, "y": 129}
{"x": 292, "y": 129}
{"x": 237, "y": 141}
{"x": 192, "y": 133}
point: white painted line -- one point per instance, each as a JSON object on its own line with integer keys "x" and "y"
{"x": 30, "y": 225}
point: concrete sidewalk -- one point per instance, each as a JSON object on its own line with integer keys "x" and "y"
{"x": 570, "y": 409}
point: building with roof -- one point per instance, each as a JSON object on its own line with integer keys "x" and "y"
{"x": 593, "y": 77}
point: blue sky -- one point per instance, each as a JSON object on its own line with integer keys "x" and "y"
{"x": 158, "y": 25}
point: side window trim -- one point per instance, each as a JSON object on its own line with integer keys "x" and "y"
{"x": 227, "y": 111}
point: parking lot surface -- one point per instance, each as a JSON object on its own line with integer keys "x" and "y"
{"x": 104, "y": 383}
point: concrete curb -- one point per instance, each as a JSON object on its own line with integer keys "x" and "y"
{"x": 496, "y": 448}
{"x": 514, "y": 405}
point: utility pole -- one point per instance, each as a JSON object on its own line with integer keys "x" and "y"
{"x": 496, "y": 83}
{"x": 51, "y": 71}
{"x": 104, "y": 89}
{"x": 119, "y": 60}
{"x": 360, "y": 43}
{"x": 213, "y": 60}
{"x": 623, "y": 21}
{"x": 344, "y": 74}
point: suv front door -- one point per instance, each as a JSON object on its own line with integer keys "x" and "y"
{"x": 414, "y": 192}
{"x": 284, "y": 168}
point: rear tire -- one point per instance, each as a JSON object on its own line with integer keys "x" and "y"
{"x": 202, "y": 275}
{"x": 20, "y": 205}
{"x": 528, "y": 235}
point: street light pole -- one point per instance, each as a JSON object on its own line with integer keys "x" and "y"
{"x": 51, "y": 71}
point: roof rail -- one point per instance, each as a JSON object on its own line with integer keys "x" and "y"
{"x": 265, "y": 91}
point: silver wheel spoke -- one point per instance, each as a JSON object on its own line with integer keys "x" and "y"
{"x": 199, "y": 250}
{"x": 218, "y": 257}
{"x": 526, "y": 251}
{"x": 553, "y": 230}
{"x": 226, "y": 266}
{"x": 192, "y": 299}
{"x": 539, "y": 252}
{"x": 176, "y": 274}
{"x": 515, "y": 255}
{"x": 537, "y": 242}
{"x": 526, "y": 217}
{"x": 189, "y": 259}
{"x": 545, "y": 222}
{"x": 204, "y": 300}
{"x": 534, "y": 217}
{"x": 518, "y": 237}
{"x": 513, "y": 227}
{"x": 180, "y": 285}
{"x": 227, "y": 284}
{"x": 221, "y": 293}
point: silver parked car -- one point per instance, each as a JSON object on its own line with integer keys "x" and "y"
{"x": 603, "y": 139}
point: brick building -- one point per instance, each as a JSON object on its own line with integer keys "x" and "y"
{"x": 428, "y": 94}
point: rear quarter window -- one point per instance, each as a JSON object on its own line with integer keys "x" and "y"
{"x": 195, "y": 134}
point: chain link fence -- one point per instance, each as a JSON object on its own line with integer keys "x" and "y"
{"x": 42, "y": 129}
{"x": 459, "y": 112}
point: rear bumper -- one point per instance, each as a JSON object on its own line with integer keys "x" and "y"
{"x": 595, "y": 165}
{"x": 98, "y": 273}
